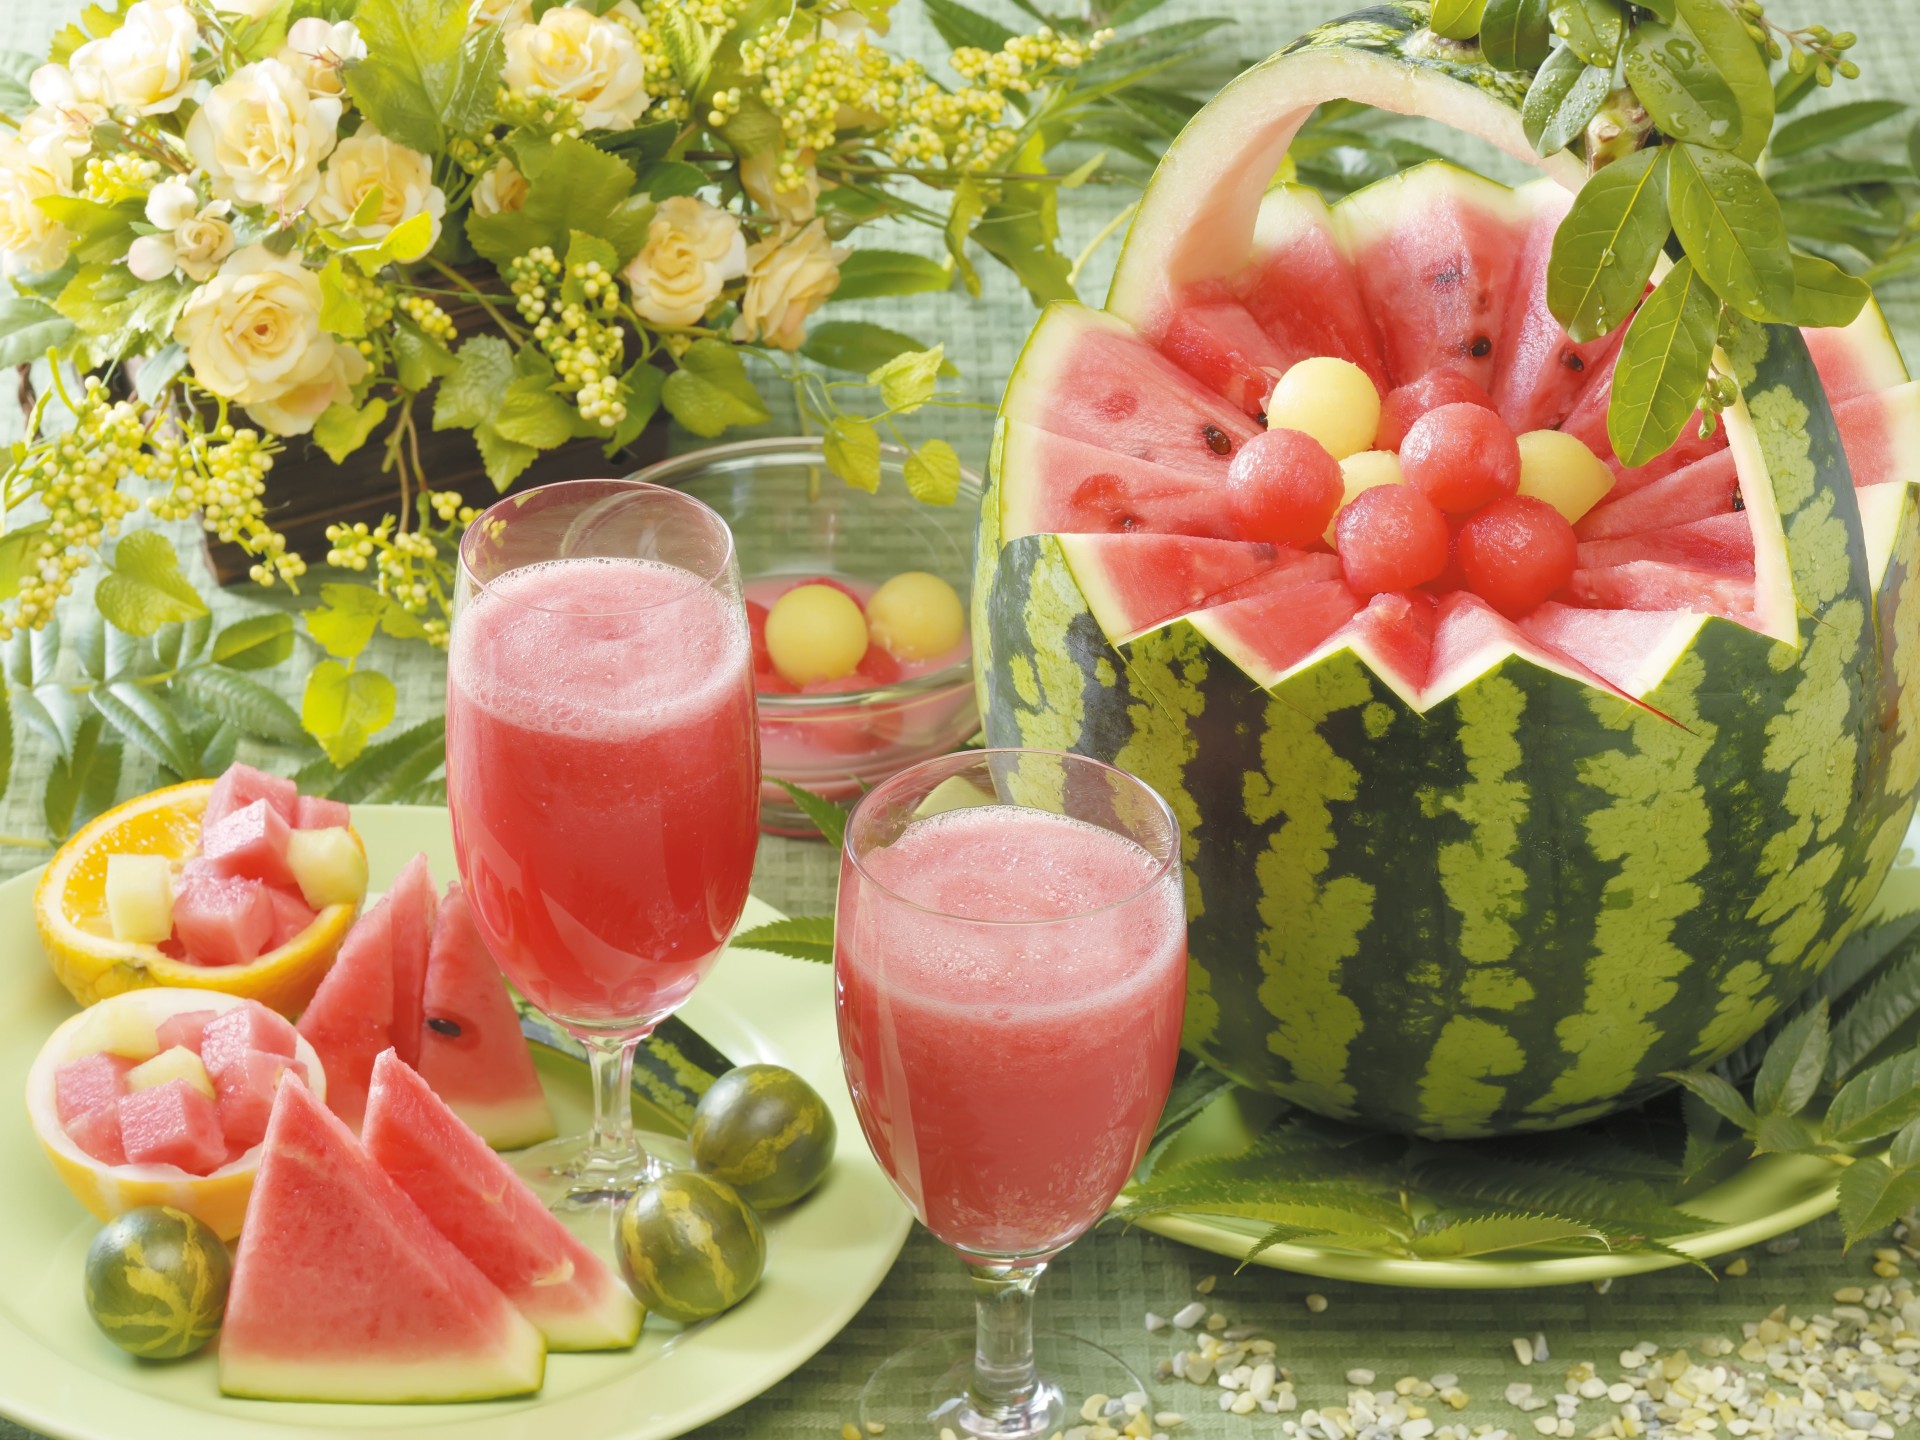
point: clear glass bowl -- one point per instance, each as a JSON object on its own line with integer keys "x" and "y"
{"x": 792, "y": 517}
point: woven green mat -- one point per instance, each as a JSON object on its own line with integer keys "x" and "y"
{"x": 1105, "y": 1284}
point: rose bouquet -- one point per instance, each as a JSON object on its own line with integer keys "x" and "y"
{"x": 231, "y": 228}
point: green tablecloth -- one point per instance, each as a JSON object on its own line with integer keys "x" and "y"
{"x": 1106, "y": 1283}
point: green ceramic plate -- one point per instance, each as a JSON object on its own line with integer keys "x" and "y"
{"x": 826, "y": 1257}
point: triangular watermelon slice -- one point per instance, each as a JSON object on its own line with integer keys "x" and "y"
{"x": 344, "y": 1290}
{"x": 486, "y": 1210}
{"x": 470, "y": 1047}
{"x": 414, "y": 901}
{"x": 350, "y": 1019}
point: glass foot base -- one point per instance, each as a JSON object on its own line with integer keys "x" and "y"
{"x": 924, "y": 1390}
{"x": 569, "y": 1178}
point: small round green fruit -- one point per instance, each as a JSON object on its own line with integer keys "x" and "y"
{"x": 764, "y": 1131}
{"x": 157, "y": 1282}
{"x": 690, "y": 1246}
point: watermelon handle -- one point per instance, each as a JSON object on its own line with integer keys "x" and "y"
{"x": 672, "y": 1067}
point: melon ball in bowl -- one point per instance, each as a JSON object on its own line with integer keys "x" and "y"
{"x": 161, "y": 1097}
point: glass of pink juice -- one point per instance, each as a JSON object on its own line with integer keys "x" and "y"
{"x": 603, "y": 772}
{"x": 1010, "y": 964}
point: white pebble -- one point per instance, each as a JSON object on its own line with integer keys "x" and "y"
{"x": 1546, "y": 1425}
{"x": 1592, "y": 1388}
{"x": 1190, "y": 1315}
{"x": 1205, "y": 1287}
{"x": 1156, "y": 1322}
{"x": 1620, "y": 1393}
{"x": 1416, "y": 1429}
{"x": 1167, "y": 1419}
{"x": 1243, "y": 1404}
{"x": 1094, "y": 1404}
{"x": 1359, "y": 1377}
{"x": 1316, "y": 1303}
{"x": 1540, "y": 1346}
{"x": 1446, "y": 1380}
{"x": 1226, "y": 1399}
{"x": 1523, "y": 1351}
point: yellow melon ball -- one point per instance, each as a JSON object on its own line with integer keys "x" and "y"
{"x": 814, "y": 632}
{"x": 1363, "y": 471}
{"x": 1330, "y": 399}
{"x": 915, "y": 616}
{"x": 1558, "y": 469}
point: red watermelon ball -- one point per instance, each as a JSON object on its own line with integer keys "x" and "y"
{"x": 1390, "y": 538}
{"x": 1283, "y": 488}
{"x": 1516, "y": 553}
{"x": 1432, "y": 390}
{"x": 1461, "y": 457}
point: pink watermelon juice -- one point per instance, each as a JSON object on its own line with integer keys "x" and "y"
{"x": 603, "y": 774}
{"x": 1011, "y": 986}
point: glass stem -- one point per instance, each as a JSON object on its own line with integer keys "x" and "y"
{"x": 612, "y": 1145}
{"x": 1004, "y": 1382}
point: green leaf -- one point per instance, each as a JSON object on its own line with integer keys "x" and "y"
{"x": 852, "y": 448}
{"x": 1606, "y": 248}
{"x": 1193, "y": 1092}
{"x": 1873, "y": 1196}
{"x": 217, "y": 741}
{"x": 14, "y": 548}
{"x": 1788, "y": 1135}
{"x": 29, "y": 329}
{"x": 346, "y": 618}
{"x": 804, "y": 937}
{"x": 668, "y": 178}
{"x": 411, "y": 77}
{"x": 1794, "y": 1064}
{"x": 1663, "y": 366}
{"x": 391, "y": 768}
{"x": 145, "y": 589}
{"x": 1718, "y": 1094}
{"x": 907, "y": 381}
{"x": 1871, "y": 1018}
{"x": 505, "y": 460}
{"x": 1516, "y": 34}
{"x": 1828, "y": 173}
{"x": 869, "y": 273}
{"x": 88, "y": 642}
{"x": 1688, "y": 101}
{"x": 570, "y": 186}
{"x": 1878, "y": 1101}
{"x": 404, "y": 243}
{"x": 1022, "y": 230}
{"x": 1611, "y": 1201}
{"x": 159, "y": 370}
{"x": 473, "y": 394}
{"x": 855, "y": 345}
{"x": 1592, "y": 29}
{"x": 961, "y": 26}
{"x": 1824, "y": 294}
{"x": 1564, "y": 96}
{"x": 1457, "y": 19}
{"x": 102, "y": 233}
{"x": 932, "y": 473}
{"x": 83, "y": 782}
{"x": 246, "y": 705}
{"x": 1730, "y": 226}
{"x": 340, "y": 309}
{"x": 342, "y": 708}
{"x": 6, "y": 738}
{"x": 258, "y": 642}
{"x": 825, "y": 816}
{"x": 1904, "y": 1153}
{"x": 134, "y": 711}
{"x": 1447, "y": 1238}
{"x": 711, "y": 391}
{"x": 533, "y": 415}
{"x": 470, "y": 107}
{"x": 342, "y": 429}
{"x": 690, "y": 46}
{"x": 1825, "y": 127}
{"x": 16, "y": 68}
{"x": 640, "y": 390}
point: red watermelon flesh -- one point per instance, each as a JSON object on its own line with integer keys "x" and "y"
{"x": 188, "y": 1028}
{"x": 1587, "y": 422}
{"x": 235, "y": 1031}
{"x": 1279, "y": 629}
{"x": 1630, "y": 648}
{"x": 172, "y": 1124}
{"x": 98, "y": 1133}
{"x": 471, "y": 1049}
{"x": 1657, "y": 585}
{"x": 344, "y": 1290}
{"x": 1433, "y": 249}
{"x": 243, "y": 1092}
{"x": 249, "y": 842}
{"x": 1100, "y": 492}
{"x": 350, "y": 1020}
{"x": 1540, "y": 372}
{"x": 1699, "y": 491}
{"x": 1723, "y": 543}
{"x": 291, "y": 917}
{"x": 1881, "y": 435}
{"x": 240, "y": 786}
{"x": 414, "y": 901}
{"x": 1219, "y": 344}
{"x": 93, "y": 1082}
{"x": 474, "y": 1198}
{"x": 316, "y": 812}
{"x": 1137, "y": 583}
{"x": 1300, "y": 287}
{"x": 220, "y": 919}
{"x": 1856, "y": 359}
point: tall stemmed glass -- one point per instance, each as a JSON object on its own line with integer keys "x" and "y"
{"x": 603, "y": 770}
{"x": 1010, "y": 965}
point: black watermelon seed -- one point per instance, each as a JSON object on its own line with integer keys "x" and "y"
{"x": 1481, "y": 347}
{"x": 440, "y": 1026}
{"x": 1573, "y": 362}
{"x": 1739, "y": 501}
{"x": 1218, "y": 440}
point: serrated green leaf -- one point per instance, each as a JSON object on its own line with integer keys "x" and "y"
{"x": 6, "y": 738}
{"x": 907, "y": 381}
{"x": 1592, "y": 29}
{"x": 1565, "y": 94}
{"x": 1876, "y": 1102}
{"x": 823, "y": 814}
{"x": 1788, "y": 1135}
{"x": 1663, "y": 366}
{"x": 245, "y": 704}
{"x": 384, "y": 770}
{"x": 410, "y": 77}
{"x": 54, "y": 713}
{"x": 18, "y": 654}
{"x": 1790, "y": 1074}
{"x": 342, "y": 708}
{"x": 505, "y": 460}
{"x": 570, "y": 186}
{"x": 1516, "y": 34}
{"x": 473, "y": 394}
{"x": 866, "y": 274}
{"x": 1606, "y": 248}
{"x": 1824, "y": 294}
{"x": 84, "y": 782}
{"x": 29, "y": 329}
{"x": 45, "y": 645}
{"x": 1194, "y": 1089}
{"x": 144, "y": 588}
{"x": 217, "y": 746}
{"x": 88, "y": 642}
{"x": 346, "y": 618}
{"x": 139, "y": 716}
{"x": 343, "y": 429}
{"x": 855, "y": 345}
{"x": 690, "y": 46}
{"x": 640, "y": 390}
{"x": 1904, "y": 1152}
{"x": 1457, "y": 19}
{"x": 418, "y": 358}
{"x": 1523, "y": 1186}
{"x": 16, "y": 69}
{"x": 1873, "y": 1196}
{"x": 341, "y": 312}
{"x": 932, "y": 473}
{"x": 1871, "y": 1018}
{"x": 533, "y": 415}
{"x": 803, "y": 937}
{"x": 1730, "y": 225}
{"x": 129, "y": 656}
{"x": 711, "y": 391}
{"x": 258, "y": 642}
{"x": 852, "y": 448}
{"x": 159, "y": 370}
{"x": 1718, "y": 1094}
{"x": 961, "y": 26}
{"x": 1825, "y": 127}
{"x": 1442, "y": 1237}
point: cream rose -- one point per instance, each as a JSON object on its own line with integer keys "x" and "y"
{"x": 31, "y": 241}
{"x": 507, "y": 14}
{"x": 253, "y": 335}
{"x": 368, "y": 159}
{"x": 261, "y": 137}
{"x": 501, "y": 189}
{"x": 575, "y": 55}
{"x": 692, "y": 250}
{"x": 147, "y": 64}
{"x": 319, "y": 53}
{"x": 193, "y": 238}
{"x": 70, "y": 102}
{"x": 788, "y": 278}
{"x": 792, "y": 206}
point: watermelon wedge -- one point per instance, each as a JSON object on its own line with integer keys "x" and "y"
{"x": 1300, "y": 288}
{"x": 1105, "y": 493}
{"x": 1224, "y": 348}
{"x": 474, "y": 1198}
{"x": 1540, "y": 372}
{"x": 351, "y": 1018}
{"x": 343, "y": 1290}
{"x": 1151, "y": 579}
{"x": 414, "y": 901}
{"x": 470, "y": 1046}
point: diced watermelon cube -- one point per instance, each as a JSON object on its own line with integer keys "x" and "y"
{"x": 244, "y": 1090}
{"x": 316, "y": 812}
{"x": 238, "y": 1031}
{"x": 241, "y": 786}
{"x": 221, "y": 919}
{"x": 98, "y": 1133}
{"x": 185, "y": 1029}
{"x": 90, "y": 1083}
{"x": 172, "y": 1124}
{"x": 291, "y": 915}
{"x": 251, "y": 843}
